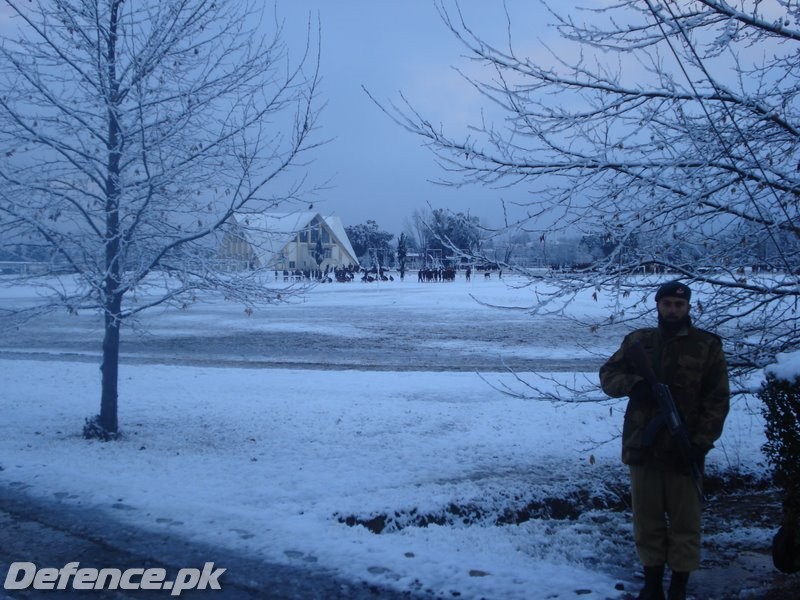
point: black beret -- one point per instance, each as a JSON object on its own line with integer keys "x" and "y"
{"x": 674, "y": 289}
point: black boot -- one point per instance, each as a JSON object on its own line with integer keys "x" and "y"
{"x": 677, "y": 585}
{"x": 653, "y": 584}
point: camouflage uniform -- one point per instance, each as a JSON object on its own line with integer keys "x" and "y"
{"x": 691, "y": 362}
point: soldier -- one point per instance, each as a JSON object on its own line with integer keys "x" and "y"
{"x": 666, "y": 505}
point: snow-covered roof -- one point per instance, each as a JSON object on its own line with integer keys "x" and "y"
{"x": 337, "y": 228}
{"x": 269, "y": 233}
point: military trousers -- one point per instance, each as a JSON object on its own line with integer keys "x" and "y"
{"x": 666, "y": 518}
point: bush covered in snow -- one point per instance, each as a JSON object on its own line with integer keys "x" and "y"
{"x": 781, "y": 397}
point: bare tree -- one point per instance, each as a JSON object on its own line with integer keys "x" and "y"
{"x": 132, "y": 132}
{"x": 675, "y": 125}
{"x": 420, "y": 220}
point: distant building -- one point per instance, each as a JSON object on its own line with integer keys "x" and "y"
{"x": 286, "y": 241}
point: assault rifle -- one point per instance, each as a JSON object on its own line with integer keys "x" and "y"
{"x": 669, "y": 416}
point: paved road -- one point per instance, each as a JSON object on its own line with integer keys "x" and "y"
{"x": 52, "y": 534}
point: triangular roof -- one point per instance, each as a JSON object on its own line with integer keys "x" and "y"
{"x": 337, "y": 229}
{"x": 269, "y": 233}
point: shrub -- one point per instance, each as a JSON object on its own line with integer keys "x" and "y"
{"x": 781, "y": 409}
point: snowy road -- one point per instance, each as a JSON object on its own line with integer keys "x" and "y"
{"x": 326, "y": 332}
{"x": 44, "y": 532}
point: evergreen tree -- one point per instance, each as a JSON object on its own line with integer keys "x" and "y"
{"x": 366, "y": 236}
{"x": 402, "y": 252}
{"x": 319, "y": 253}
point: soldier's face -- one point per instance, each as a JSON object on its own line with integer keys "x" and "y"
{"x": 672, "y": 310}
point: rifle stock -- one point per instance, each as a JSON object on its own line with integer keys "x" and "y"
{"x": 636, "y": 355}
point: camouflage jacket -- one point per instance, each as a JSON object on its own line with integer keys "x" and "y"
{"x": 692, "y": 363}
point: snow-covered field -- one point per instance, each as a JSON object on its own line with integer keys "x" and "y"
{"x": 425, "y": 480}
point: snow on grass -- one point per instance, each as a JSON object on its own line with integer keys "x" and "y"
{"x": 285, "y": 464}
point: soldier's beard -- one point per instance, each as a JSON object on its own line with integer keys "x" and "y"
{"x": 674, "y": 325}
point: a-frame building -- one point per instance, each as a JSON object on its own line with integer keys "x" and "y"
{"x": 286, "y": 241}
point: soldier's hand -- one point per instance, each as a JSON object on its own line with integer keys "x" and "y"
{"x": 695, "y": 455}
{"x": 698, "y": 455}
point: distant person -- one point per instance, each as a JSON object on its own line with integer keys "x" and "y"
{"x": 666, "y": 504}
{"x": 468, "y": 273}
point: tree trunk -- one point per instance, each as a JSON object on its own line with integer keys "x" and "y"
{"x": 112, "y": 301}
{"x": 110, "y": 368}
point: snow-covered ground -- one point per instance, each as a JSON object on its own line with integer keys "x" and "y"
{"x": 406, "y": 478}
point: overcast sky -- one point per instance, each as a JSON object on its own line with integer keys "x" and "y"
{"x": 376, "y": 169}
{"x": 380, "y": 171}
